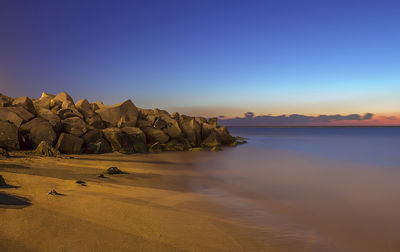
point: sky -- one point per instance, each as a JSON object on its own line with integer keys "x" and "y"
{"x": 209, "y": 58}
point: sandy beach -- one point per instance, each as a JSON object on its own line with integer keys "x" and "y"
{"x": 151, "y": 208}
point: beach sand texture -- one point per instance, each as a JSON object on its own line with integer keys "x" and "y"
{"x": 151, "y": 208}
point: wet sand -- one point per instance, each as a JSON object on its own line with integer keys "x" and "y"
{"x": 156, "y": 206}
{"x": 241, "y": 199}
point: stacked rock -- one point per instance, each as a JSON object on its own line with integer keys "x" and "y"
{"x": 94, "y": 128}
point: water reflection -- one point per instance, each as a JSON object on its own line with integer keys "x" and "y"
{"x": 339, "y": 192}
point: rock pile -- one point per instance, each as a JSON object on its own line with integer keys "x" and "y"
{"x": 55, "y": 123}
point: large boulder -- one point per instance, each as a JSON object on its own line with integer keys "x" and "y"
{"x": 191, "y": 129}
{"x": 8, "y": 136}
{"x": 44, "y": 101}
{"x": 169, "y": 125}
{"x": 75, "y": 126}
{"x": 91, "y": 117}
{"x": 119, "y": 140}
{"x": 35, "y": 131}
{"x": 95, "y": 121}
{"x": 212, "y": 140}
{"x": 93, "y": 135}
{"x": 84, "y": 107}
{"x": 206, "y": 130}
{"x": 10, "y": 116}
{"x": 155, "y": 135}
{"x": 63, "y": 100}
{"x": 51, "y": 117}
{"x": 24, "y": 102}
{"x": 137, "y": 137}
{"x": 21, "y": 112}
{"x": 69, "y": 144}
{"x": 98, "y": 147}
{"x": 224, "y": 135}
{"x": 121, "y": 115}
{"x": 16, "y": 115}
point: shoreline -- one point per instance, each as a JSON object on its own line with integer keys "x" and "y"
{"x": 153, "y": 207}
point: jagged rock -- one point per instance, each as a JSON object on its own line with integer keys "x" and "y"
{"x": 156, "y": 147}
{"x": 95, "y": 121}
{"x": 92, "y": 136}
{"x": 16, "y": 115}
{"x": 97, "y": 105}
{"x": 84, "y": 108}
{"x": 24, "y": 114}
{"x": 114, "y": 170}
{"x": 5, "y": 101}
{"x": 212, "y": 140}
{"x": 160, "y": 123}
{"x": 226, "y": 138}
{"x": 44, "y": 149}
{"x": 24, "y": 102}
{"x": 171, "y": 126}
{"x": 137, "y": 137}
{"x": 10, "y": 116}
{"x": 51, "y": 117}
{"x": 4, "y": 153}
{"x": 63, "y": 97}
{"x": 91, "y": 117}
{"x": 155, "y": 135}
{"x": 213, "y": 122}
{"x": 8, "y": 136}
{"x": 67, "y": 113}
{"x": 201, "y": 120}
{"x": 69, "y": 144}
{"x": 83, "y": 105}
{"x": 206, "y": 130}
{"x": 191, "y": 129}
{"x": 98, "y": 147}
{"x": 119, "y": 140}
{"x": 35, "y": 131}
{"x": 74, "y": 126}
{"x": 121, "y": 115}
{"x": 44, "y": 101}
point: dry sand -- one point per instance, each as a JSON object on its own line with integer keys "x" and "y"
{"x": 153, "y": 207}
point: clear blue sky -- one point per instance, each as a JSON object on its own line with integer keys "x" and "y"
{"x": 225, "y": 57}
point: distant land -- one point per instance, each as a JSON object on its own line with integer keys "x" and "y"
{"x": 296, "y": 120}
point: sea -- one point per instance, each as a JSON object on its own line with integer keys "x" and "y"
{"x": 312, "y": 188}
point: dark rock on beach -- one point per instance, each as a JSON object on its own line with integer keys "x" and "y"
{"x": 114, "y": 170}
{"x": 55, "y": 123}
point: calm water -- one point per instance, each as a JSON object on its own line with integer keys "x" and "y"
{"x": 313, "y": 189}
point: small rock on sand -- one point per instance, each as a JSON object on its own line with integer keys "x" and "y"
{"x": 54, "y": 193}
{"x": 114, "y": 170}
{"x": 82, "y": 183}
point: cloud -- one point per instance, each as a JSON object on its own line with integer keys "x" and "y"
{"x": 250, "y": 119}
